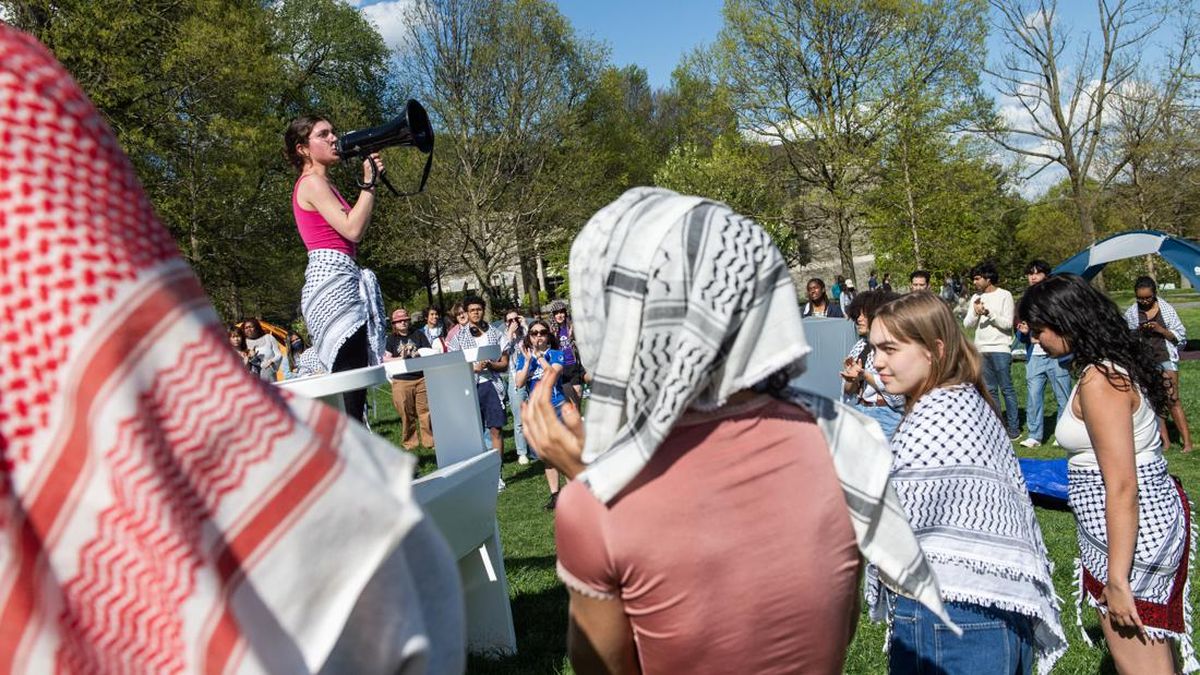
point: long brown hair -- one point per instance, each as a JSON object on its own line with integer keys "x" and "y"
{"x": 923, "y": 319}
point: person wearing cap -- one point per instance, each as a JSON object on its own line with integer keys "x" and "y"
{"x": 408, "y": 389}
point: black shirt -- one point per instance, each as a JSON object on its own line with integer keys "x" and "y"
{"x": 396, "y": 343}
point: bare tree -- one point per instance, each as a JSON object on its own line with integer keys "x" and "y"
{"x": 501, "y": 79}
{"x": 1066, "y": 103}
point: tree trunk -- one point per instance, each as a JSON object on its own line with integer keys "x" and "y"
{"x": 845, "y": 244}
{"x": 437, "y": 277}
{"x": 427, "y": 278}
{"x": 912, "y": 212}
{"x": 541, "y": 279}
{"x": 1084, "y": 204}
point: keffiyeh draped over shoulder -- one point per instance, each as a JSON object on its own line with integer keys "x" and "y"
{"x": 161, "y": 510}
{"x": 672, "y": 297}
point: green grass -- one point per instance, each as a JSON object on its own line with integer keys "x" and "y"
{"x": 539, "y": 601}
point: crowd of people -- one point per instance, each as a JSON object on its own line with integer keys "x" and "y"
{"x": 642, "y": 559}
{"x": 683, "y": 380}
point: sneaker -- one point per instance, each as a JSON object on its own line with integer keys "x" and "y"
{"x": 500, "y": 486}
{"x": 522, "y": 459}
{"x": 552, "y": 503}
{"x": 1031, "y": 443}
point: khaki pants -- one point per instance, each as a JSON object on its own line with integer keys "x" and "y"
{"x": 412, "y": 402}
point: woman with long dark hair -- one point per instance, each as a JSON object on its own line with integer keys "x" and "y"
{"x": 1133, "y": 518}
{"x": 960, "y": 483}
{"x": 341, "y": 302}
{"x": 537, "y": 356}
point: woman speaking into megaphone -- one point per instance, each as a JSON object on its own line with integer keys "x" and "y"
{"x": 341, "y": 302}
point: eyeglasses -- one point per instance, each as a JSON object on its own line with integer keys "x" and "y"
{"x": 539, "y": 331}
{"x": 404, "y": 320}
{"x": 1145, "y": 301}
{"x": 512, "y": 319}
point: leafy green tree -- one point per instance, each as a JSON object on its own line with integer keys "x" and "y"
{"x": 740, "y": 174}
{"x": 198, "y": 93}
{"x": 823, "y": 80}
{"x": 942, "y": 206}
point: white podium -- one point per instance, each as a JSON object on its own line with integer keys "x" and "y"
{"x": 460, "y": 497}
{"x": 453, "y": 403}
{"x": 831, "y": 340}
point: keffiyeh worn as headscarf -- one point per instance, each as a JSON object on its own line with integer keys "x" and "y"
{"x": 672, "y": 297}
{"x": 160, "y": 508}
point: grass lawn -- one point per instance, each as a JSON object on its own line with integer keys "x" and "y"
{"x": 539, "y": 601}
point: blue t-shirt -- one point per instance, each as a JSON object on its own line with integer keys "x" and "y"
{"x": 553, "y": 356}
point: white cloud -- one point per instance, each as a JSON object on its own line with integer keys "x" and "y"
{"x": 389, "y": 17}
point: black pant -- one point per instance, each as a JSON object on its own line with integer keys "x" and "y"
{"x": 353, "y": 354}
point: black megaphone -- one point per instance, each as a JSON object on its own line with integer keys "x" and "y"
{"x": 410, "y": 129}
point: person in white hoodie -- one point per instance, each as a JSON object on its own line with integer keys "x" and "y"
{"x": 990, "y": 313}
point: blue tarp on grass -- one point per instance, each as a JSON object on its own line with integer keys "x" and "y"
{"x": 1047, "y": 479}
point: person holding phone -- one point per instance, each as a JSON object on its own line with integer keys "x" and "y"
{"x": 537, "y": 355}
{"x": 514, "y": 333}
{"x": 341, "y": 302}
{"x": 1156, "y": 322}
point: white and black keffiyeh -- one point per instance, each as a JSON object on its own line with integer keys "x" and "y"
{"x": 962, "y": 487}
{"x": 339, "y": 297}
{"x": 1165, "y": 544}
{"x": 672, "y": 297}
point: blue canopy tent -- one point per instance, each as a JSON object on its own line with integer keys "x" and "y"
{"x": 1181, "y": 253}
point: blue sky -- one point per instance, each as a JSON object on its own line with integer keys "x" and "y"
{"x": 653, "y": 34}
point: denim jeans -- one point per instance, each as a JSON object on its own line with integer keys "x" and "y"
{"x": 997, "y": 377}
{"x": 1038, "y": 369}
{"x": 515, "y": 396}
{"x": 888, "y": 419}
{"x": 994, "y": 642}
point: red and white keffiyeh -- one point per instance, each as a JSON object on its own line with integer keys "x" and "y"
{"x": 160, "y": 509}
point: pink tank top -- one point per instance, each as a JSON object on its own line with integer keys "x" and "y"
{"x": 315, "y": 231}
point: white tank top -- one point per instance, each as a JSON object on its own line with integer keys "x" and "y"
{"x": 1072, "y": 434}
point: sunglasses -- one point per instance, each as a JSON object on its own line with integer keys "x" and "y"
{"x": 396, "y": 321}
{"x": 512, "y": 319}
{"x": 539, "y": 332}
{"x": 476, "y": 331}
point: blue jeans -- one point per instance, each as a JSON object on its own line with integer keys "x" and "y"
{"x": 1038, "y": 369}
{"x": 994, "y": 642}
{"x": 997, "y": 377}
{"x": 515, "y": 396}
{"x": 888, "y": 419}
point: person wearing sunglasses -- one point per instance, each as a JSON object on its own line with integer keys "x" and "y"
{"x": 537, "y": 356}
{"x": 1157, "y": 322}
